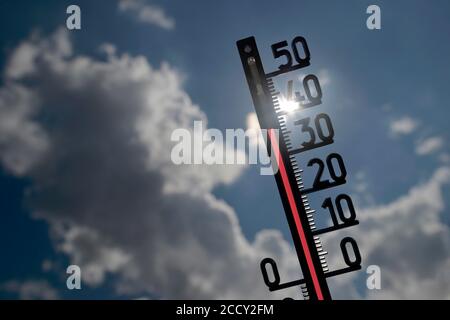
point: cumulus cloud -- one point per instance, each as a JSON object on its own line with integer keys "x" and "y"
{"x": 147, "y": 13}
{"x": 22, "y": 142}
{"x": 30, "y": 289}
{"x": 403, "y": 126}
{"x": 106, "y": 185}
{"x": 93, "y": 138}
{"x": 410, "y": 243}
{"x": 429, "y": 145}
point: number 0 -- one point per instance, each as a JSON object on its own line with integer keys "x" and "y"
{"x": 354, "y": 245}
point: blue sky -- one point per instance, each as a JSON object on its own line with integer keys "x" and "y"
{"x": 375, "y": 79}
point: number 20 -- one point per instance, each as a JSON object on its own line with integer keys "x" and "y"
{"x": 338, "y": 178}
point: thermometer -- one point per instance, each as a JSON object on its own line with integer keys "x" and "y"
{"x": 274, "y": 110}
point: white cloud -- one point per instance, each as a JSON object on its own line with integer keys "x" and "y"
{"x": 146, "y": 13}
{"x": 429, "y": 145}
{"x": 106, "y": 185}
{"x": 403, "y": 126}
{"x": 410, "y": 243}
{"x": 22, "y": 142}
{"x": 30, "y": 289}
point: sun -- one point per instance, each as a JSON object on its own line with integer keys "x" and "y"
{"x": 287, "y": 105}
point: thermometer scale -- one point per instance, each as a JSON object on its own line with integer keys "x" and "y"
{"x": 270, "y": 106}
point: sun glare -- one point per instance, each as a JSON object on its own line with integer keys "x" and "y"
{"x": 288, "y": 105}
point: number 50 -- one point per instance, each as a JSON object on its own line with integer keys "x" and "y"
{"x": 279, "y": 52}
